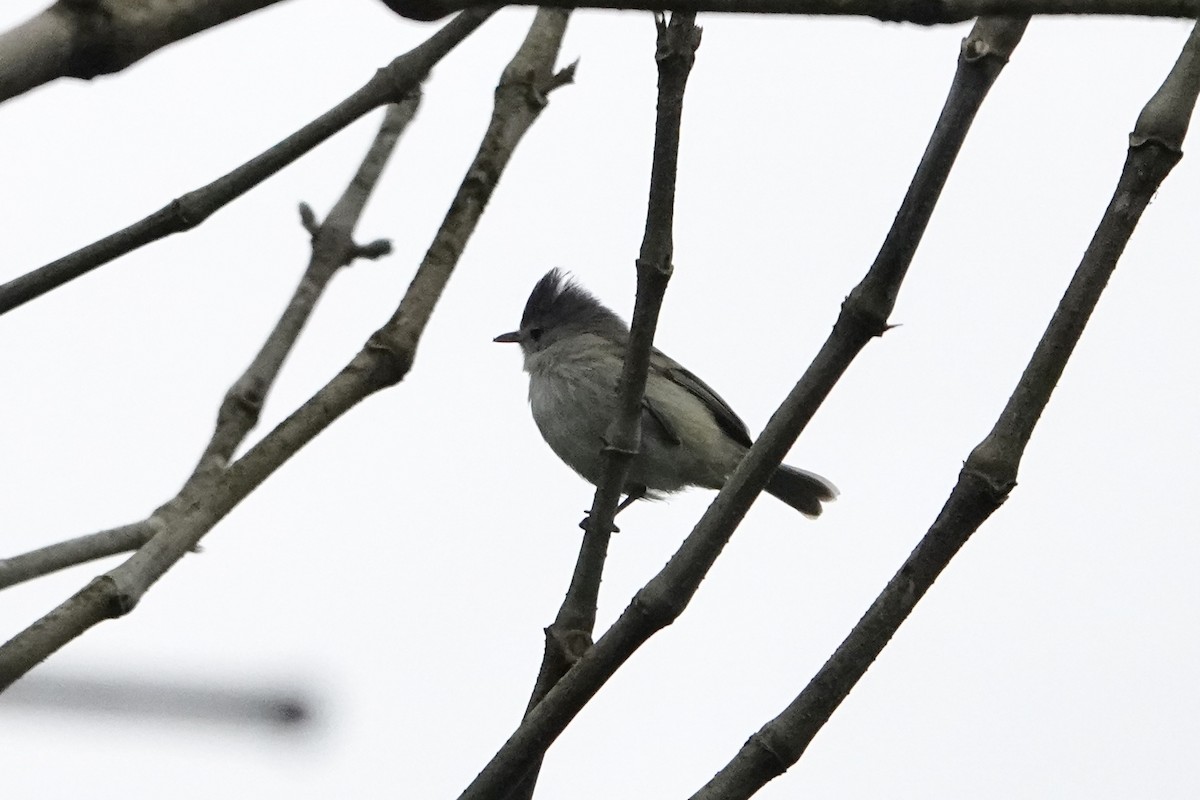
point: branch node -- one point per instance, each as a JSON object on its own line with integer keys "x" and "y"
{"x": 677, "y": 39}
{"x": 658, "y": 606}
{"x": 761, "y": 740}
{"x": 188, "y": 211}
{"x": 585, "y": 524}
{"x": 373, "y": 250}
{"x": 863, "y": 313}
{"x": 118, "y": 600}
{"x": 993, "y": 37}
{"x": 994, "y": 463}
{"x": 562, "y": 77}
{"x": 661, "y": 268}
{"x": 308, "y": 219}
{"x": 388, "y": 364}
{"x": 571, "y": 644}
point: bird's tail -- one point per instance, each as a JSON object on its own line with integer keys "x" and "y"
{"x": 801, "y": 490}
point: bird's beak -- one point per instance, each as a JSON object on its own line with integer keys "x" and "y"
{"x": 515, "y": 336}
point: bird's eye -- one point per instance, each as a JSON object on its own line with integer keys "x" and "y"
{"x": 535, "y": 334}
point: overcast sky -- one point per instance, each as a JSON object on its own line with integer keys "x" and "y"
{"x": 401, "y": 568}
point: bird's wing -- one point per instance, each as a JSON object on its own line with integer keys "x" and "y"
{"x": 650, "y": 414}
{"x": 725, "y": 416}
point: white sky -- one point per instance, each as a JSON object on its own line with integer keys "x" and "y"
{"x": 401, "y": 568}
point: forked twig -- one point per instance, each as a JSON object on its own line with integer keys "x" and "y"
{"x": 333, "y": 248}
{"x": 384, "y": 361}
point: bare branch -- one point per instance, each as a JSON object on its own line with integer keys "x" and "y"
{"x": 921, "y": 12}
{"x": 86, "y": 38}
{"x": 990, "y": 472}
{"x": 864, "y": 316}
{"x": 571, "y": 631}
{"x": 333, "y": 248}
{"x": 79, "y": 550}
{"x": 389, "y": 85}
{"x": 384, "y": 361}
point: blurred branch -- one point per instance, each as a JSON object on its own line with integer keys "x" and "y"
{"x": 571, "y": 631}
{"x": 160, "y": 699}
{"x": 990, "y": 472}
{"x": 389, "y": 85}
{"x": 384, "y": 361}
{"x": 333, "y": 247}
{"x": 922, "y": 12}
{"x": 864, "y": 315}
{"x": 86, "y": 38}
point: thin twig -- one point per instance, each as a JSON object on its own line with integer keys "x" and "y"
{"x": 80, "y": 550}
{"x": 921, "y": 12}
{"x": 990, "y": 472}
{"x": 864, "y": 316}
{"x": 384, "y": 361}
{"x": 389, "y": 85}
{"x": 333, "y": 247}
{"x": 86, "y": 39}
{"x": 571, "y": 631}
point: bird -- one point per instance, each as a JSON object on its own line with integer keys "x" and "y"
{"x": 574, "y": 351}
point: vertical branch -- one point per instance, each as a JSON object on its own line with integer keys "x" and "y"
{"x": 675, "y": 53}
{"x": 864, "y": 315}
{"x": 990, "y": 472}
{"x": 570, "y": 633}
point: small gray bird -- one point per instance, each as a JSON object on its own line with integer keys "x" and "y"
{"x": 574, "y": 352}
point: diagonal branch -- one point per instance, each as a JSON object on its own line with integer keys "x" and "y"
{"x": 864, "y": 316}
{"x": 990, "y": 472}
{"x": 333, "y": 248}
{"x": 921, "y": 12}
{"x": 87, "y": 38}
{"x": 383, "y": 361}
{"x": 388, "y": 85}
{"x": 572, "y": 629}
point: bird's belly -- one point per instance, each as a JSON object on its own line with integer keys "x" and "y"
{"x": 573, "y": 413}
{"x": 573, "y": 417}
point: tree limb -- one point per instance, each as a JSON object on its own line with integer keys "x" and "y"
{"x": 990, "y": 472}
{"x": 921, "y": 12}
{"x": 384, "y": 361}
{"x": 86, "y": 38}
{"x": 389, "y": 85}
{"x": 333, "y": 247}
